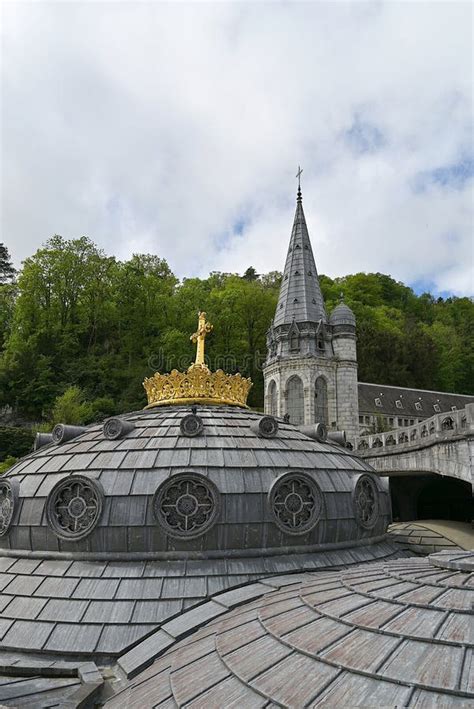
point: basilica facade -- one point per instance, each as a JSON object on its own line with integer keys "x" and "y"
{"x": 311, "y": 367}
{"x": 310, "y": 373}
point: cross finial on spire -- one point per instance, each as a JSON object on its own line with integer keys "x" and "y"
{"x": 298, "y": 175}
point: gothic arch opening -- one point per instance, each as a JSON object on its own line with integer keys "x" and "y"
{"x": 430, "y": 497}
{"x": 294, "y": 340}
{"x": 445, "y": 498}
{"x": 321, "y": 401}
{"x": 272, "y": 399}
{"x": 295, "y": 400}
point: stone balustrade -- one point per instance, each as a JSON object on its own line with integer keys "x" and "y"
{"x": 451, "y": 424}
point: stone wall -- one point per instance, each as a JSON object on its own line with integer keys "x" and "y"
{"x": 442, "y": 444}
{"x": 346, "y": 384}
{"x": 340, "y": 373}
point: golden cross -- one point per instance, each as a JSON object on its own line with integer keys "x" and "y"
{"x": 204, "y": 328}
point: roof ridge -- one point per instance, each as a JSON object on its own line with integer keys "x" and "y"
{"x": 428, "y": 391}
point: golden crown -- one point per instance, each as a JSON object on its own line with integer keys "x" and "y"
{"x": 198, "y": 385}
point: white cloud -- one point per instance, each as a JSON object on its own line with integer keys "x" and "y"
{"x": 159, "y": 127}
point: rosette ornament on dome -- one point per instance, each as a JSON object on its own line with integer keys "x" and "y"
{"x": 198, "y": 385}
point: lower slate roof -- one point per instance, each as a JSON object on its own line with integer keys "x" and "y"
{"x": 101, "y": 608}
{"x": 30, "y": 681}
{"x": 429, "y": 536}
{"x": 388, "y": 396}
{"x": 387, "y": 634}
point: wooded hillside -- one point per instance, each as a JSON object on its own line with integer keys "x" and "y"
{"x": 74, "y": 317}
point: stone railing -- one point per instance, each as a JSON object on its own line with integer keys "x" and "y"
{"x": 451, "y": 424}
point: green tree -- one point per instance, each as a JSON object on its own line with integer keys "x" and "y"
{"x": 78, "y": 318}
{"x": 71, "y": 408}
{"x": 7, "y": 271}
{"x": 7, "y": 464}
{"x": 250, "y": 274}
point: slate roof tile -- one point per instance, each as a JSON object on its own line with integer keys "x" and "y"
{"x": 27, "y": 635}
{"x": 108, "y": 460}
{"x": 74, "y": 638}
{"x": 139, "y": 588}
{"x": 117, "y": 482}
{"x": 108, "y": 612}
{"x": 96, "y": 588}
{"x": 119, "y": 637}
{"x": 155, "y": 611}
{"x": 190, "y": 587}
{"x": 62, "y": 609}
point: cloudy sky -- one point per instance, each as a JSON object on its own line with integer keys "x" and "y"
{"x": 177, "y": 129}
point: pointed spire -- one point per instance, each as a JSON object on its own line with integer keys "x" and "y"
{"x": 300, "y": 293}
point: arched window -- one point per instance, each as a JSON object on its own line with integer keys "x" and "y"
{"x": 294, "y": 342}
{"x": 448, "y": 424}
{"x": 272, "y": 399}
{"x": 295, "y": 400}
{"x": 294, "y": 337}
{"x": 321, "y": 401}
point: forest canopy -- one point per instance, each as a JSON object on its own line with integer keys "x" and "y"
{"x": 74, "y": 317}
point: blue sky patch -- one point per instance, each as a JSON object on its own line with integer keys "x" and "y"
{"x": 453, "y": 176}
{"x": 364, "y": 136}
{"x": 239, "y": 226}
{"x": 428, "y": 286}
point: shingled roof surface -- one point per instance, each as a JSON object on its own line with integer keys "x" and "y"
{"x": 241, "y": 464}
{"x": 101, "y": 609}
{"x": 100, "y": 594}
{"x": 388, "y": 634}
{"x": 389, "y": 395}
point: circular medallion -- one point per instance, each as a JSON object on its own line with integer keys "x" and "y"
{"x": 366, "y": 501}
{"x": 186, "y": 505}
{"x": 116, "y": 427}
{"x": 112, "y": 428}
{"x": 191, "y": 425}
{"x": 8, "y": 498}
{"x": 74, "y": 507}
{"x": 268, "y": 426}
{"x": 58, "y": 433}
{"x": 296, "y": 503}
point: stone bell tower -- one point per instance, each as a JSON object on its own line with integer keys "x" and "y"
{"x": 311, "y": 368}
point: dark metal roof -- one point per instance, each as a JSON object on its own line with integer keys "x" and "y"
{"x": 300, "y": 293}
{"x": 102, "y": 591}
{"x": 388, "y": 634}
{"x": 240, "y": 464}
{"x": 389, "y": 395}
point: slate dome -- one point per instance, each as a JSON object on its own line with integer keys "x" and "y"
{"x": 342, "y": 315}
{"x": 179, "y": 483}
{"x": 110, "y": 531}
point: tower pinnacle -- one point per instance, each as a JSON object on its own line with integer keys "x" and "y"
{"x": 298, "y": 175}
{"x": 300, "y": 294}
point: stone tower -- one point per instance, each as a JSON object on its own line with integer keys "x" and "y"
{"x": 311, "y": 368}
